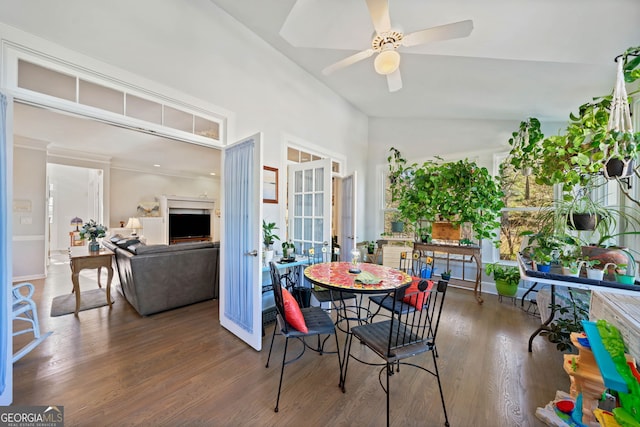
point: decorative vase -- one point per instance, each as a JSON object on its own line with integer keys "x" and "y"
{"x": 94, "y": 246}
{"x": 506, "y": 288}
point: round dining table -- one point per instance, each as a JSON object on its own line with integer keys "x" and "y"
{"x": 340, "y": 277}
{"x": 336, "y": 276}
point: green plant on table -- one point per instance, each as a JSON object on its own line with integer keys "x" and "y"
{"x": 288, "y": 248}
{"x": 92, "y": 230}
{"x": 458, "y": 192}
{"x": 268, "y": 235}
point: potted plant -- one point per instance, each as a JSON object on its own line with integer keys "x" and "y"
{"x": 569, "y": 317}
{"x": 526, "y": 149}
{"x": 288, "y": 251}
{"x": 92, "y": 231}
{"x": 541, "y": 248}
{"x": 624, "y": 273}
{"x": 592, "y": 271}
{"x": 371, "y": 247}
{"x": 446, "y": 275}
{"x": 397, "y": 225}
{"x": 268, "y": 238}
{"x": 507, "y": 278}
{"x": 458, "y": 192}
{"x": 590, "y": 145}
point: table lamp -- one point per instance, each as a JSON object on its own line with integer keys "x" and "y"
{"x": 77, "y": 222}
{"x": 134, "y": 224}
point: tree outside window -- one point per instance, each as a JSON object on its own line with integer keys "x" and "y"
{"x": 523, "y": 199}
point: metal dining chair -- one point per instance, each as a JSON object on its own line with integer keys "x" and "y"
{"x": 407, "y": 333}
{"x": 412, "y": 263}
{"x": 317, "y": 321}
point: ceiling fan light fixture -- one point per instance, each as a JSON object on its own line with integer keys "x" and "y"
{"x": 387, "y": 61}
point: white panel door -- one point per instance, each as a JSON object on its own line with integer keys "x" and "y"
{"x": 240, "y": 263}
{"x": 348, "y": 216}
{"x": 309, "y": 206}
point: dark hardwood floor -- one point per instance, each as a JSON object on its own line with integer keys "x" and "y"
{"x": 181, "y": 368}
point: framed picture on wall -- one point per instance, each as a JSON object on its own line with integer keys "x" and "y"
{"x": 270, "y": 185}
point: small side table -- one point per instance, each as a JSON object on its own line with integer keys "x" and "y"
{"x": 81, "y": 258}
{"x": 74, "y": 239}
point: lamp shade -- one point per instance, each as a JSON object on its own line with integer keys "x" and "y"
{"x": 387, "y": 61}
{"x": 77, "y": 222}
{"x": 134, "y": 223}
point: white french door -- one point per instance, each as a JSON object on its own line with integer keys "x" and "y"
{"x": 240, "y": 262}
{"x": 348, "y": 216}
{"x": 309, "y": 204}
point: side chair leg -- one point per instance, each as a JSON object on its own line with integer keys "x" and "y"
{"x": 347, "y": 353}
{"x": 444, "y": 408}
{"x": 271, "y": 346}
{"x": 389, "y": 368}
{"x": 339, "y": 359}
{"x": 284, "y": 362}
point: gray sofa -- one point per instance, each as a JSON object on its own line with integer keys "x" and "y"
{"x": 156, "y": 278}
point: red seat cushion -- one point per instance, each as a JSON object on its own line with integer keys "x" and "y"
{"x": 413, "y": 295}
{"x": 292, "y": 313}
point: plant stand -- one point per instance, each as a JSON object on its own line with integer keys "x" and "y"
{"x": 474, "y": 252}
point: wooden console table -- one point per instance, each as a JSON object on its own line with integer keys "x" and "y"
{"x": 473, "y": 251}
{"x": 82, "y": 258}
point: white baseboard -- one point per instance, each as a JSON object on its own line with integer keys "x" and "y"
{"x": 28, "y": 278}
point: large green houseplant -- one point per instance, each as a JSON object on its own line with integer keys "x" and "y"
{"x": 459, "y": 192}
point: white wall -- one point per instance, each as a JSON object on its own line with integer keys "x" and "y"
{"x": 197, "y": 49}
{"x": 29, "y": 192}
{"x": 129, "y": 188}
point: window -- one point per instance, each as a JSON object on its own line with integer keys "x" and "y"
{"x": 71, "y": 87}
{"x": 300, "y": 156}
{"x": 523, "y": 199}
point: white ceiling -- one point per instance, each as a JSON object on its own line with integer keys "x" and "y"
{"x": 524, "y": 58}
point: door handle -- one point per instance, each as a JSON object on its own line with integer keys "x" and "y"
{"x": 252, "y": 253}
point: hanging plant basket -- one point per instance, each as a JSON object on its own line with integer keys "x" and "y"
{"x": 583, "y": 221}
{"x": 618, "y": 168}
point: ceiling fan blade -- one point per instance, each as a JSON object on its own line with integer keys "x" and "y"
{"x": 394, "y": 81}
{"x": 349, "y": 60}
{"x": 443, "y": 32}
{"x": 379, "y": 11}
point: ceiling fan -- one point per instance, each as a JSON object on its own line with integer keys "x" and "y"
{"x": 387, "y": 41}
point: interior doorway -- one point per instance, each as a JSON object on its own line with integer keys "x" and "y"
{"x": 72, "y": 192}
